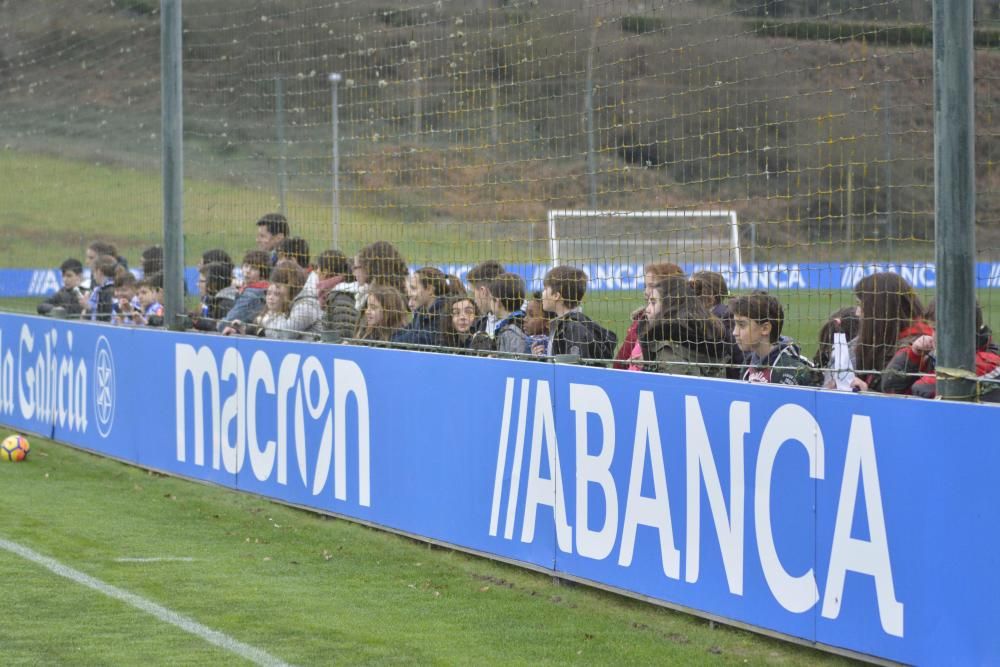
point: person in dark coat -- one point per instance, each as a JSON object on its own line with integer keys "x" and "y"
{"x": 570, "y": 331}
{"x": 67, "y": 298}
{"x": 426, "y": 292}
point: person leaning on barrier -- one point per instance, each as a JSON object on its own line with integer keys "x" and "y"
{"x": 384, "y": 315}
{"x": 921, "y": 358}
{"x": 711, "y": 288}
{"x": 478, "y": 278}
{"x": 337, "y": 295}
{"x": 426, "y": 292}
{"x": 289, "y": 311}
{"x": 757, "y": 322}
{"x": 570, "y": 331}
{"x": 252, "y": 290}
{"x": 892, "y": 318}
{"x": 506, "y": 293}
{"x": 99, "y": 304}
{"x": 149, "y": 292}
{"x": 679, "y": 333}
{"x": 456, "y": 327}
{"x": 68, "y": 297}
{"x": 630, "y": 349}
{"x": 213, "y": 279}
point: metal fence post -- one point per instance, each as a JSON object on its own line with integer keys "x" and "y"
{"x": 172, "y": 130}
{"x": 955, "y": 197}
{"x": 335, "y": 122}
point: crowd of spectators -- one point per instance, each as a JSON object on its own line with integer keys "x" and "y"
{"x": 690, "y": 325}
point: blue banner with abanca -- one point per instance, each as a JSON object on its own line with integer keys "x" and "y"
{"x": 852, "y": 521}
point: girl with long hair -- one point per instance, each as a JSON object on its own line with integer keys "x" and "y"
{"x": 892, "y": 318}
{"x": 383, "y": 316}
{"x": 680, "y": 333}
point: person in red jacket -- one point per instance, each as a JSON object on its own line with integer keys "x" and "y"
{"x": 987, "y": 363}
{"x": 630, "y": 349}
{"x": 892, "y": 320}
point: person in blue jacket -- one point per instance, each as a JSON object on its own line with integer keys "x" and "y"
{"x": 426, "y": 292}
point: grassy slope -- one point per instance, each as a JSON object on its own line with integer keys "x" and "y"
{"x": 53, "y": 208}
{"x": 308, "y": 589}
{"x": 52, "y": 217}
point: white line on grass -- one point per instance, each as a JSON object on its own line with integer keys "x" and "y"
{"x": 156, "y": 559}
{"x": 215, "y": 637}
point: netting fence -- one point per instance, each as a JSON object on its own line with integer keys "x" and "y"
{"x": 784, "y": 145}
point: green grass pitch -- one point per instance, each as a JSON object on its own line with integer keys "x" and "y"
{"x": 305, "y": 588}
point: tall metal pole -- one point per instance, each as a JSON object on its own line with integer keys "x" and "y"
{"x": 334, "y": 80}
{"x": 890, "y": 227}
{"x": 954, "y": 197}
{"x": 279, "y": 121}
{"x": 172, "y": 129}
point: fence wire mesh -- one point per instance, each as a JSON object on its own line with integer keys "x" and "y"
{"x": 784, "y": 146}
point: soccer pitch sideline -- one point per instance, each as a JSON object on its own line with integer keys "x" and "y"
{"x": 109, "y": 564}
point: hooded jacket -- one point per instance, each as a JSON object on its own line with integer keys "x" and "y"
{"x": 684, "y": 347}
{"x": 895, "y": 379}
{"x": 785, "y": 364}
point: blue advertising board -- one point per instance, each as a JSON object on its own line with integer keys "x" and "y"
{"x": 853, "y": 521}
{"x": 614, "y": 276}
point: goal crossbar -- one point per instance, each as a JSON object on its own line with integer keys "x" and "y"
{"x": 734, "y": 234}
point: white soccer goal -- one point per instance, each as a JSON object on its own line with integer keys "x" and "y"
{"x": 705, "y": 238}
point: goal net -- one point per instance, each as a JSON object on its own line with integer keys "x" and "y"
{"x": 690, "y": 238}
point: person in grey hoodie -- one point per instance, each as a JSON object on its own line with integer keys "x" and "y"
{"x": 506, "y": 293}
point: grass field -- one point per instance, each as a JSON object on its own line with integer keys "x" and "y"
{"x": 304, "y": 588}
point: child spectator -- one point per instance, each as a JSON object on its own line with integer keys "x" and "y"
{"x": 506, "y": 300}
{"x": 892, "y": 317}
{"x": 379, "y": 263}
{"x": 296, "y": 249}
{"x": 846, "y": 322}
{"x": 711, "y": 288}
{"x": 213, "y": 278}
{"x": 425, "y": 291}
{"x": 271, "y": 322}
{"x": 152, "y": 260}
{"x": 126, "y": 305}
{"x": 920, "y": 358}
{"x": 454, "y": 286}
{"x": 384, "y": 315}
{"x": 479, "y": 277}
{"x": 149, "y": 292}
{"x": 67, "y": 298}
{"x": 337, "y": 294}
{"x": 272, "y": 229}
{"x": 456, "y": 332}
{"x": 99, "y": 249}
{"x": 536, "y": 321}
{"x": 572, "y": 332}
{"x": 105, "y": 268}
{"x": 249, "y": 300}
{"x": 680, "y": 334}
{"x": 757, "y": 322}
{"x": 289, "y": 312}
{"x": 220, "y": 256}
{"x": 630, "y": 349}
